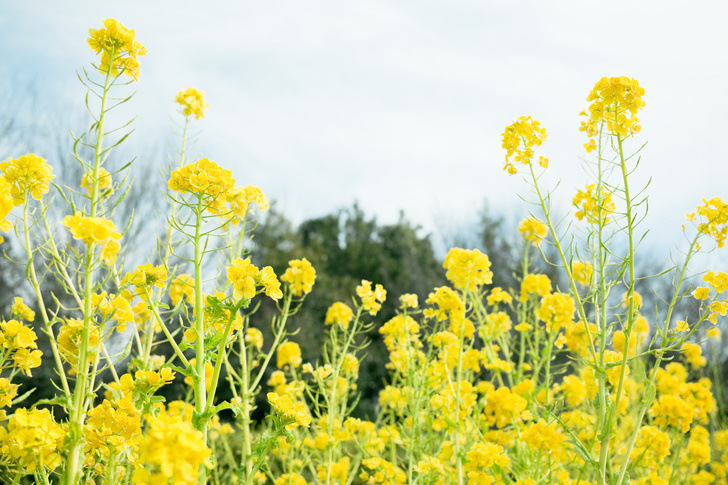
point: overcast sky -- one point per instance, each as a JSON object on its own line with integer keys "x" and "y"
{"x": 400, "y": 104}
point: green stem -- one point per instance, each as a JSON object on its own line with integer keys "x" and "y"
{"x": 81, "y": 390}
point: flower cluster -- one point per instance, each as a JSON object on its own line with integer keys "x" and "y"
{"x": 32, "y": 439}
{"x": 172, "y": 450}
{"x": 532, "y": 230}
{"x": 519, "y": 140}
{"x": 206, "y": 179}
{"x": 246, "y": 277}
{"x": 95, "y": 230}
{"x": 714, "y": 214}
{"x": 467, "y": 269}
{"x": 592, "y": 205}
{"x": 615, "y": 102}
{"x": 300, "y": 275}
{"x": 29, "y": 175}
{"x": 292, "y": 414}
{"x": 19, "y": 344}
{"x": 339, "y": 314}
{"x": 192, "y": 102}
{"x": 118, "y": 47}
{"x": 371, "y": 299}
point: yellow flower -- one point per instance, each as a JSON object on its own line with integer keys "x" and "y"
{"x": 408, "y": 300}
{"x": 8, "y": 392}
{"x": 206, "y": 179}
{"x": 371, "y": 299}
{"x": 171, "y": 452}
{"x": 539, "y": 284}
{"x": 243, "y": 199}
{"x": 33, "y": 439}
{"x": 519, "y": 141}
{"x": 615, "y": 101}
{"x": 7, "y": 202}
{"x": 91, "y": 230}
{"x": 295, "y": 414}
{"x": 288, "y": 353}
{"x": 694, "y": 354}
{"x": 588, "y": 204}
{"x": 182, "y": 286}
{"x": 339, "y": 314}
{"x": 291, "y": 479}
{"x": 467, "y": 269}
{"x": 22, "y": 311}
{"x": 300, "y": 275}
{"x": 69, "y": 341}
{"x": 192, "y": 102}
{"x": 119, "y": 49}
{"x": 713, "y": 333}
{"x": 556, "y": 310}
{"x": 28, "y": 175}
{"x": 103, "y": 184}
{"x": 582, "y": 272}
{"x": 544, "y": 438}
{"x": 533, "y": 230}
{"x": 715, "y": 219}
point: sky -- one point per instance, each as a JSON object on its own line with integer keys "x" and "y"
{"x": 400, "y": 105}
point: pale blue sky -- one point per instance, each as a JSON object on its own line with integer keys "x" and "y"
{"x": 400, "y": 104}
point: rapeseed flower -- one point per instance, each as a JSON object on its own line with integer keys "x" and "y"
{"x": 29, "y": 175}
{"x": 519, "y": 141}
{"x": 615, "y": 102}
{"x": 532, "y": 230}
{"x": 118, "y": 47}
{"x": 301, "y": 275}
{"x": 213, "y": 184}
{"x": 467, "y": 269}
{"x": 192, "y": 102}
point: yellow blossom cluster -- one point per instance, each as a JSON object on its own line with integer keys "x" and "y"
{"x": 29, "y": 175}
{"x": 118, "y": 47}
{"x": 532, "y": 230}
{"x": 32, "y": 439}
{"x": 19, "y": 344}
{"x": 339, "y": 314}
{"x": 7, "y": 203}
{"x": 288, "y": 353}
{"x": 300, "y": 275}
{"x": 615, "y": 102}
{"x": 519, "y": 140}
{"x": 246, "y": 277}
{"x": 243, "y": 199}
{"x": 371, "y": 299}
{"x": 104, "y": 181}
{"x": 292, "y": 414}
{"x": 590, "y": 206}
{"x": 714, "y": 219}
{"x": 211, "y": 183}
{"x": 95, "y": 230}
{"x": 192, "y": 102}
{"x": 171, "y": 452}
{"x": 467, "y": 269}
{"x": 70, "y": 338}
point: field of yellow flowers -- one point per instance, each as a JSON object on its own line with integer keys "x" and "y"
{"x": 487, "y": 385}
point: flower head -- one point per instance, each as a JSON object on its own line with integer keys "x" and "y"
{"x": 28, "y": 175}
{"x": 615, "y": 102}
{"x": 206, "y": 179}
{"x": 587, "y": 202}
{"x": 519, "y": 141}
{"x": 467, "y": 269}
{"x": 118, "y": 47}
{"x": 532, "y": 230}
{"x": 192, "y": 102}
{"x": 301, "y": 275}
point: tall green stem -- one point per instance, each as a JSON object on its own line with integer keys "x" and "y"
{"x": 81, "y": 390}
